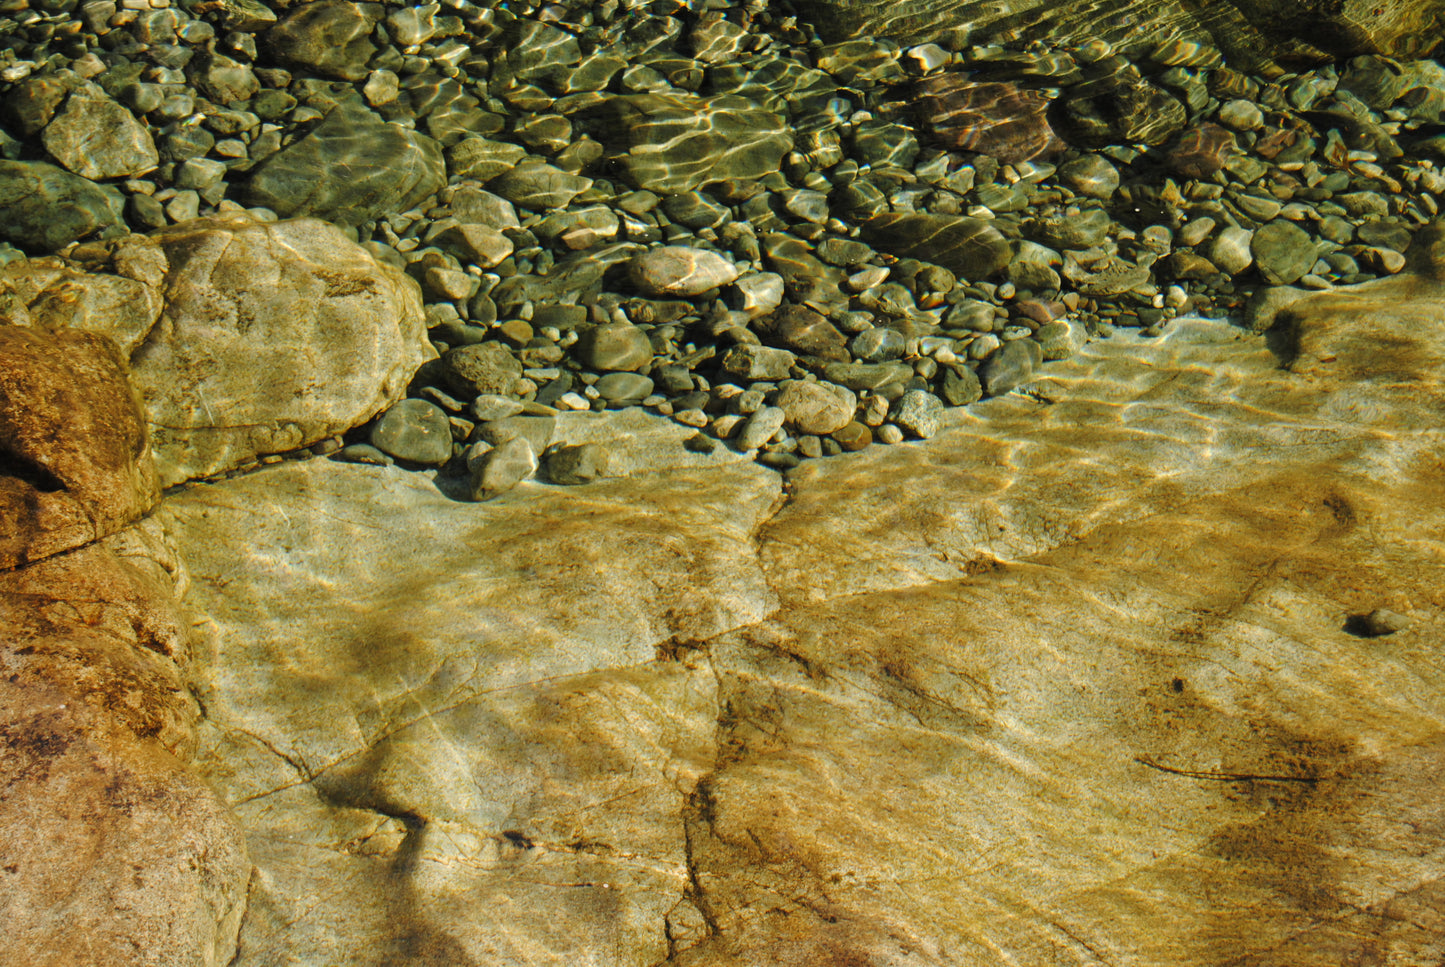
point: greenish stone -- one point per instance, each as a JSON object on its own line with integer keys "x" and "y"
{"x": 352, "y": 168}
{"x": 678, "y": 142}
{"x": 969, "y": 247}
{"x": 43, "y": 208}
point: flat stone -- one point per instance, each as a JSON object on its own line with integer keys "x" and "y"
{"x": 679, "y": 142}
{"x": 960, "y": 386}
{"x": 970, "y": 247}
{"x": 478, "y": 244}
{"x": 806, "y": 332}
{"x": 618, "y": 346}
{"x": 678, "y": 270}
{"x": 538, "y": 186}
{"x": 867, "y": 376}
{"x": 538, "y": 431}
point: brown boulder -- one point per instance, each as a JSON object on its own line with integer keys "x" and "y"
{"x": 74, "y": 461}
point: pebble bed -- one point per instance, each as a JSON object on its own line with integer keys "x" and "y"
{"x": 795, "y": 248}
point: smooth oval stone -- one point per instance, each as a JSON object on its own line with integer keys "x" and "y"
{"x": 1092, "y": 175}
{"x": 878, "y": 345}
{"x": 539, "y": 187}
{"x": 617, "y": 387}
{"x": 970, "y": 247}
{"x": 758, "y": 428}
{"x": 996, "y": 118}
{"x": 482, "y": 368}
{"x": 1200, "y": 151}
{"x": 852, "y": 437}
{"x": 1230, "y": 250}
{"x": 1010, "y": 367}
{"x": 577, "y": 464}
{"x": 918, "y": 413}
{"x": 815, "y": 407}
{"x": 1241, "y": 115}
{"x": 1282, "y": 251}
{"x": 679, "y": 270}
{"x": 416, "y": 431}
{"x": 614, "y": 346}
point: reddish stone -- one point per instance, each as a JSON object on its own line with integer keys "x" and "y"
{"x": 1201, "y": 151}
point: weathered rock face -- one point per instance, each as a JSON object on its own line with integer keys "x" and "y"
{"x": 113, "y": 850}
{"x": 1250, "y": 31}
{"x": 1087, "y": 677}
{"x": 74, "y": 460}
{"x": 273, "y": 336}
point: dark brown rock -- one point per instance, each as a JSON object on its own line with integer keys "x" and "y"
{"x": 806, "y": 332}
{"x": 1200, "y": 151}
{"x": 1116, "y": 104}
{"x": 75, "y": 464}
{"x": 993, "y": 118}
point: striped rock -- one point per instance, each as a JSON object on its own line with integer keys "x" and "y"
{"x": 970, "y": 247}
{"x": 1200, "y": 151}
{"x": 992, "y": 118}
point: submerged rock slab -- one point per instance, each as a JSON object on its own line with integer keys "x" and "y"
{"x": 1086, "y": 677}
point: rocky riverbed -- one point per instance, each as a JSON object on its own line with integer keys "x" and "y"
{"x": 844, "y": 481}
{"x": 796, "y": 244}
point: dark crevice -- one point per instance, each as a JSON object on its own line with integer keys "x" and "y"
{"x": 22, "y": 468}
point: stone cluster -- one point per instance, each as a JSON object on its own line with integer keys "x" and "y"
{"x": 703, "y": 211}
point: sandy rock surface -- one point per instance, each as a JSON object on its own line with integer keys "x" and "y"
{"x": 1086, "y": 678}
